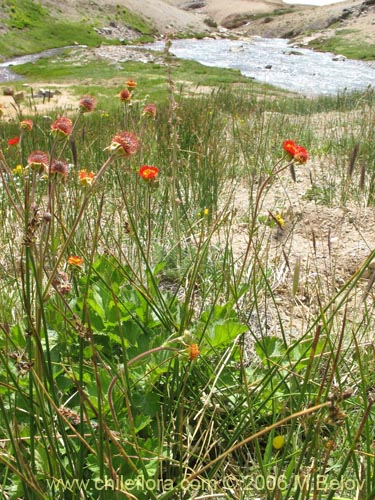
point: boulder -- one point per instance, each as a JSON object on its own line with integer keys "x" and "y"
{"x": 9, "y": 91}
{"x": 339, "y": 57}
{"x": 194, "y": 4}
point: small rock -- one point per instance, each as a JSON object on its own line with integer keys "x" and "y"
{"x": 339, "y": 57}
{"x": 8, "y": 91}
{"x": 194, "y": 4}
{"x": 19, "y": 97}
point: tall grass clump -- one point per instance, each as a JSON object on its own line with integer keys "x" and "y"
{"x": 135, "y": 358}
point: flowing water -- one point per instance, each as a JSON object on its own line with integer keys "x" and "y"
{"x": 275, "y": 61}
{"x": 7, "y": 75}
{"x": 269, "y": 60}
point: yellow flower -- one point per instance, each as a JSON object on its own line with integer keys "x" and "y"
{"x": 18, "y": 170}
{"x": 204, "y": 212}
{"x": 280, "y": 220}
{"x": 278, "y": 442}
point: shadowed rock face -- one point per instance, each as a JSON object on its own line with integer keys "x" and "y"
{"x": 194, "y": 4}
{"x": 236, "y": 20}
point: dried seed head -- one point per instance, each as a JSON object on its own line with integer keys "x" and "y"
{"x": 59, "y": 169}
{"x": 87, "y": 104}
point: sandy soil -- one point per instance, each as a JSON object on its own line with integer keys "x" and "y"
{"x": 329, "y": 243}
{"x": 221, "y": 9}
{"x": 170, "y": 16}
{"x": 353, "y": 16}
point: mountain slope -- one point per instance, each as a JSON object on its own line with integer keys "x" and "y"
{"x": 28, "y": 26}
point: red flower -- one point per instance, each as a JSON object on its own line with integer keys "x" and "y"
{"x": 148, "y": 173}
{"x": 301, "y": 155}
{"x": 62, "y": 127}
{"x": 59, "y": 168}
{"x": 290, "y": 147}
{"x": 87, "y": 104}
{"x": 124, "y": 144}
{"x": 26, "y": 125}
{"x": 296, "y": 152}
{"x": 125, "y": 95}
{"x": 150, "y": 110}
{"x": 14, "y": 141}
{"x": 38, "y": 161}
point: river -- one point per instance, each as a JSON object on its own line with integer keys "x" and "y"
{"x": 268, "y": 60}
{"x": 275, "y": 61}
{"x": 7, "y": 75}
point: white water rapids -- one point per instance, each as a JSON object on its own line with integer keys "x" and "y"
{"x": 274, "y": 61}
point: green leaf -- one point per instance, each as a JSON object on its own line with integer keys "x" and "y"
{"x": 270, "y": 347}
{"x": 140, "y": 422}
{"x": 223, "y": 333}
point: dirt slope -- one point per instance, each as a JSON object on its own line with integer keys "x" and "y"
{"x": 173, "y": 16}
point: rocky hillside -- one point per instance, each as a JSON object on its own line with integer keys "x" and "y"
{"x": 345, "y": 23}
{"x": 185, "y": 15}
{"x": 352, "y": 20}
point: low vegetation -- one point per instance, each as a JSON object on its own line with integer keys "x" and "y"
{"x": 353, "y": 48}
{"x": 156, "y": 340}
{"x": 162, "y": 335}
{"x": 30, "y": 27}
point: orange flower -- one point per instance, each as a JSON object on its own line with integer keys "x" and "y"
{"x": 125, "y": 95}
{"x": 87, "y": 104}
{"x": 26, "y": 125}
{"x": 148, "y": 173}
{"x": 193, "y": 351}
{"x": 14, "y": 141}
{"x": 150, "y": 110}
{"x": 131, "y": 84}
{"x": 86, "y": 178}
{"x": 123, "y": 144}
{"x": 62, "y": 127}
{"x": 38, "y": 161}
{"x": 74, "y": 260}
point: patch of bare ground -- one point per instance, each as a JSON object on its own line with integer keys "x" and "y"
{"x": 356, "y": 17}
{"x": 320, "y": 248}
{"x": 38, "y": 99}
